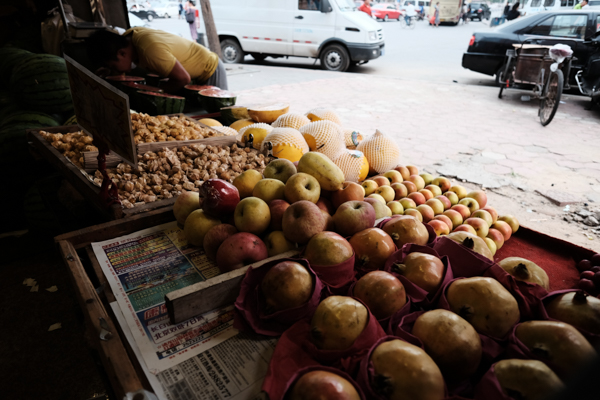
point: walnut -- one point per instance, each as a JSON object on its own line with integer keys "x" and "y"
{"x": 188, "y": 186}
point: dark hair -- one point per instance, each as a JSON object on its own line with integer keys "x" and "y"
{"x": 103, "y": 46}
{"x": 516, "y": 6}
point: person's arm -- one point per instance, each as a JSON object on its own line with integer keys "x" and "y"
{"x": 178, "y": 78}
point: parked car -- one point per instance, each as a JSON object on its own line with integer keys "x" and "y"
{"x": 134, "y": 21}
{"x": 386, "y": 11}
{"x": 479, "y": 11}
{"x": 487, "y": 50}
{"x": 167, "y": 9}
{"x": 143, "y": 12}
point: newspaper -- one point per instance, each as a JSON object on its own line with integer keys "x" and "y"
{"x": 233, "y": 369}
{"x": 144, "y": 266}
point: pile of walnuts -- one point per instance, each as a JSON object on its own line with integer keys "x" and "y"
{"x": 72, "y": 145}
{"x": 162, "y": 128}
{"x": 166, "y": 173}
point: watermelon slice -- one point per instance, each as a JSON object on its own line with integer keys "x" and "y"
{"x": 118, "y": 80}
{"x": 192, "y": 93}
{"x": 215, "y": 99}
{"x": 154, "y": 103}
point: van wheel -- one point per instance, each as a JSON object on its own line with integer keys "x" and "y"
{"x": 232, "y": 52}
{"x": 335, "y": 58}
{"x": 258, "y": 57}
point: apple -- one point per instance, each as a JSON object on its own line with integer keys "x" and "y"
{"x": 327, "y": 249}
{"x": 413, "y": 212}
{"x": 301, "y": 221}
{"x": 369, "y": 186}
{"x": 480, "y": 225}
{"x": 445, "y": 201}
{"x": 418, "y": 181}
{"x": 465, "y": 228}
{"x": 269, "y": 189}
{"x": 470, "y": 203}
{"x": 354, "y": 216}
{"x": 486, "y": 216}
{"x": 426, "y": 212}
{"x": 277, "y": 207}
{"x": 323, "y": 385}
{"x": 463, "y": 210}
{"x": 325, "y": 205}
{"x": 197, "y": 224}
{"x": 510, "y": 220}
{"x": 408, "y": 203}
{"x": 427, "y": 178}
{"x": 215, "y": 237}
{"x": 417, "y": 197}
{"x": 446, "y": 220}
{"x": 396, "y": 207}
{"x": 302, "y": 186}
{"x": 246, "y": 181}
{"x": 504, "y": 228}
{"x": 381, "y": 180}
{"x": 440, "y": 227}
{"x": 480, "y": 196}
{"x": 350, "y": 191}
{"x": 381, "y": 210}
{"x": 386, "y": 192}
{"x": 185, "y": 203}
{"x": 455, "y": 216}
{"x": 219, "y": 197}
{"x": 281, "y": 169}
{"x": 491, "y": 245}
{"x": 240, "y": 250}
{"x": 277, "y": 243}
{"x": 497, "y": 237}
{"x": 377, "y": 197}
{"x": 400, "y": 190}
{"x": 403, "y": 171}
{"x": 410, "y": 187}
{"x": 326, "y": 194}
{"x": 453, "y": 197}
{"x": 460, "y": 191}
{"x": 427, "y": 193}
{"x": 252, "y": 215}
{"x": 493, "y": 213}
{"x": 443, "y": 183}
{"x": 413, "y": 170}
{"x": 329, "y": 223}
{"x": 434, "y": 189}
{"x": 436, "y": 205}
{"x": 394, "y": 176}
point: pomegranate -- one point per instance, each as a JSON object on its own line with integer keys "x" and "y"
{"x": 406, "y": 229}
{"x": 527, "y": 379}
{"x": 485, "y": 304}
{"x": 382, "y": 292}
{"x": 327, "y": 248}
{"x": 286, "y": 285}
{"x": 472, "y": 242}
{"x": 405, "y": 371}
{"x": 372, "y": 247}
{"x": 323, "y": 385}
{"x": 424, "y": 270}
{"x": 578, "y": 309}
{"x": 337, "y": 322}
{"x": 558, "y": 343}
{"x": 451, "y": 341}
{"x": 525, "y": 270}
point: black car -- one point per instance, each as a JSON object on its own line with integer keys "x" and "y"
{"x": 487, "y": 50}
{"x": 143, "y": 13}
{"x": 479, "y": 11}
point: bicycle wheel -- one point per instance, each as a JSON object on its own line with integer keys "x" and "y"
{"x": 551, "y": 97}
{"x": 403, "y": 23}
{"x": 413, "y": 23}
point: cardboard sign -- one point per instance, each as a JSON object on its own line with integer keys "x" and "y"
{"x": 102, "y": 111}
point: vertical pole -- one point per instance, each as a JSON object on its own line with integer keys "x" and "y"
{"x": 211, "y": 29}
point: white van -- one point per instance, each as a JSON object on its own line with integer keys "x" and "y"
{"x": 332, "y": 30}
{"x": 531, "y": 7}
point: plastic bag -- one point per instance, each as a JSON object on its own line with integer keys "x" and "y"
{"x": 559, "y": 52}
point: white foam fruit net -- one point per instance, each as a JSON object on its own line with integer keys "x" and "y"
{"x": 291, "y": 120}
{"x": 353, "y": 164}
{"x": 259, "y": 125}
{"x": 352, "y": 138}
{"x": 287, "y": 143}
{"x": 324, "y": 137}
{"x": 226, "y": 131}
{"x": 381, "y": 151}
{"x": 323, "y": 114}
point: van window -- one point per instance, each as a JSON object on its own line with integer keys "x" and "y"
{"x": 313, "y": 5}
{"x": 536, "y": 3}
{"x": 549, "y": 3}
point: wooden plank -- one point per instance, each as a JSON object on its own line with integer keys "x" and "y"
{"x": 168, "y": 203}
{"x": 106, "y": 290}
{"x": 220, "y": 291}
{"x": 117, "y": 364}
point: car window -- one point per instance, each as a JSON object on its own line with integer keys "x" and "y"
{"x": 543, "y": 28}
{"x": 313, "y": 5}
{"x": 549, "y": 3}
{"x": 536, "y": 3}
{"x": 572, "y": 26}
{"x": 567, "y": 3}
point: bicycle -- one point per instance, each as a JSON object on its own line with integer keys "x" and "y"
{"x": 411, "y": 22}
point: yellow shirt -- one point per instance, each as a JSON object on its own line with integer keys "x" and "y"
{"x": 157, "y": 52}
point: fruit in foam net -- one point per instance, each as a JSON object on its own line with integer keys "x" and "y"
{"x": 382, "y": 292}
{"x": 350, "y": 191}
{"x": 287, "y": 143}
{"x": 185, "y": 203}
{"x": 277, "y": 208}
{"x": 323, "y": 385}
{"x": 269, "y": 190}
{"x": 451, "y": 342}
{"x": 329, "y": 175}
{"x": 252, "y": 215}
{"x": 215, "y": 237}
{"x": 327, "y": 249}
{"x": 353, "y": 164}
{"x": 525, "y": 270}
{"x": 210, "y": 122}
{"x": 395, "y": 363}
{"x": 302, "y": 186}
{"x": 301, "y": 221}
{"x": 290, "y": 120}
{"x": 527, "y": 379}
{"x": 352, "y": 138}
{"x": 277, "y": 243}
{"x": 288, "y": 284}
{"x": 406, "y": 229}
{"x": 323, "y": 114}
{"x": 280, "y": 169}
{"x": 246, "y": 181}
{"x": 424, "y": 270}
{"x": 381, "y": 151}
{"x": 381, "y": 210}
{"x": 259, "y": 132}
{"x": 337, "y": 322}
{"x": 578, "y": 309}
{"x": 240, "y": 250}
{"x": 369, "y": 185}
{"x": 472, "y": 242}
{"x": 353, "y": 216}
{"x": 197, "y": 224}
{"x": 268, "y": 113}
{"x": 372, "y": 247}
{"x": 485, "y": 304}
{"x": 242, "y": 123}
{"x": 219, "y": 197}
{"x": 325, "y": 137}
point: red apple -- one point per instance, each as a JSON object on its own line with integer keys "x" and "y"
{"x": 480, "y": 225}
{"x": 470, "y": 203}
{"x": 493, "y": 213}
{"x": 353, "y": 216}
{"x": 411, "y": 187}
{"x": 480, "y": 196}
{"x": 455, "y": 216}
{"x": 497, "y": 237}
{"x": 417, "y": 197}
{"x": 277, "y": 208}
{"x": 510, "y": 220}
{"x": 443, "y": 183}
{"x": 413, "y": 170}
{"x": 381, "y": 180}
{"x": 413, "y": 212}
{"x": 426, "y": 212}
{"x": 446, "y": 220}
{"x": 434, "y": 189}
{"x": 215, "y": 237}
{"x": 504, "y": 228}
{"x": 463, "y": 210}
{"x": 329, "y": 223}
{"x": 465, "y": 228}
{"x": 427, "y": 193}
{"x": 418, "y": 181}
{"x": 403, "y": 171}
{"x": 325, "y": 205}
{"x": 239, "y": 250}
{"x": 301, "y": 221}
{"x": 486, "y": 216}
{"x": 219, "y": 197}
{"x": 350, "y": 191}
{"x": 440, "y": 227}
{"x": 445, "y": 201}
{"x": 400, "y": 191}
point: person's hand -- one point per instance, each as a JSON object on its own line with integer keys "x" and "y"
{"x": 103, "y": 72}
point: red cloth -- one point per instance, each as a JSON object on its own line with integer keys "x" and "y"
{"x": 337, "y": 278}
{"x": 489, "y": 388}
{"x": 365, "y": 8}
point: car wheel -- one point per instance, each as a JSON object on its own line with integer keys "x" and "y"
{"x": 499, "y": 78}
{"x": 149, "y": 17}
{"x": 166, "y": 16}
{"x": 385, "y": 18}
{"x": 335, "y": 58}
{"x": 232, "y": 52}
